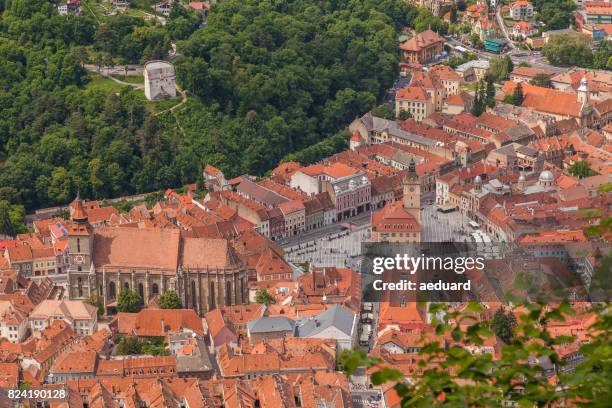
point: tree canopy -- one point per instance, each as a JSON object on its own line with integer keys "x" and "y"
{"x": 263, "y": 297}
{"x": 556, "y": 14}
{"x": 170, "y": 300}
{"x": 542, "y": 80}
{"x": 264, "y": 80}
{"x": 569, "y": 49}
{"x": 500, "y": 68}
{"x": 129, "y": 301}
{"x": 581, "y": 169}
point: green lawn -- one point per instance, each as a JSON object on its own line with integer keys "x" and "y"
{"x": 99, "y": 82}
{"x": 95, "y": 7}
{"x": 470, "y": 86}
{"x": 160, "y": 106}
{"x": 132, "y": 79}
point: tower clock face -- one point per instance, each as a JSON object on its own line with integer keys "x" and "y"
{"x": 411, "y": 189}
{"x": 79, "y": 259}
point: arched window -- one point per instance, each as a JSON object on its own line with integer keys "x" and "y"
{"x": 141, "y": 290}
{"x": 78, "y": 245}
{"x": 228, "y": 293}
{"x": 211, "y": 296}
{"x": 193, "y": 295}
{"x": 126, "y": 285}
{"x": 241, "y": 294}
{"x": 80, "y": 286}
{"x": 154, "y": 289}
{"x": 112, "y": 290}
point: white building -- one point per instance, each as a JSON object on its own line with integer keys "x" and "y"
{"x": 349, "y": 188}
{"x": 69, "y": 7}
{"x": 160, "y": 81}
{"x": 81, "y": 316}
{"x": 163, "y": 8}
{"x": 13, "y": 321}
{"x": 521, "y": 10}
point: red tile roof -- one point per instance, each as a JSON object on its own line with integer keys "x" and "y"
{"x": 148, "y": 322}
{"x": 421, "y": 40}
{"x": 412, "y": 93}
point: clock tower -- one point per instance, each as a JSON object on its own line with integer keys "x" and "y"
{"x": 80, "y": 247}
{"x": 412, "y": 191}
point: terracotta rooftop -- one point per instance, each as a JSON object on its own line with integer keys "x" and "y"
{"x": 158, "y": 322}
{"x": 545, "y": 99}
{"x": 136, "y": 247}
{"x": 412, "y": 93}
{"x": 421, "y": 40}
{"x": 394, "y": 218}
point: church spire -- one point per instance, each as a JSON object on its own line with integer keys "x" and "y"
{"x": 77, "y": 212}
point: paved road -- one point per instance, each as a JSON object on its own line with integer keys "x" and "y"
{"x": 533, "y": 60}
{"x": 335, "y": 248}
{"x": 502, "y": 25}
{"x": 132, "y": 70}
{"x": 360, "y": 399}
{"x": 440, "y": 227}
{"x": 323, "y": 232}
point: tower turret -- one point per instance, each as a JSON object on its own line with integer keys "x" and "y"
{"x": 412, "y": 191}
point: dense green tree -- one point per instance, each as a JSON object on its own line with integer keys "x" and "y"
{"x": 95, "y": 301}
{"x": 263, "y": 297}
{"x": 503, "y": 325}
{"x": 569, "y": 49}
{"x": 383, "y": 111}
{"x": 261, "y": 85}
{"x": 556, "y": 14}
{"x": 155, "y": 346}
{"x": 490, "y": 92}
{"x": 129, "y": 301}
{"x": 517, "y": 95}
{"x": 129, "y": 345}
{"x": 581, "y": 169}
{"x": 170, "y": 300}
{"x": 500, "y": 68}
{"x": 542, "y": 80}
{"x": 480, "y": 99}
{"x": 455, "y": 61}
{"x": 509, "y": 99}
{"x": 425, "y": 20}
{"x": 602, "y": 57}
{"x": 404, "y": 114}
{"x": 11, "y": 218}
{"x": 476, "y": 41}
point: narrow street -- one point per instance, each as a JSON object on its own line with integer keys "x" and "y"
{"x": 502, "y": 25}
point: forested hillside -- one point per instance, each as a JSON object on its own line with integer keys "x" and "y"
{"x": 263, "y": 78}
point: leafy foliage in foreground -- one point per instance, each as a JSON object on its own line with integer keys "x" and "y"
{"x": 455, "y": 377}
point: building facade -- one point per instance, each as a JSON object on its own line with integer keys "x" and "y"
{"x": 159, "y": 80}
{"x": 205, "y": 272}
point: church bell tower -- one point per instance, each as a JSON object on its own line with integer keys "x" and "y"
{"x": 80, "y": 247}
{"x": 412, "y": 191}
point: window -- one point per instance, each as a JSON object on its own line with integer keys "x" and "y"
{"x": 193, "y": 295}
